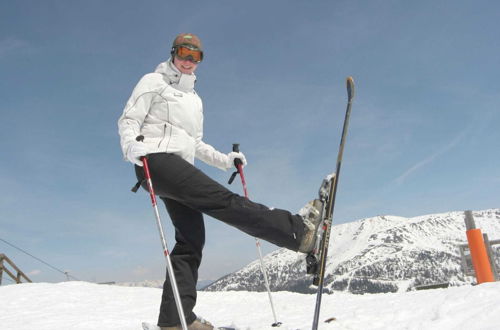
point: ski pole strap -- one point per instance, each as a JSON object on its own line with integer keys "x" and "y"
{"x": 137, "y": 185}
{"x": 231, "y": 179}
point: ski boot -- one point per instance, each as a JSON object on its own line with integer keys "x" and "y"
{"x": 198, "y": 324}
{"x": 311, "y": 213}
{"x": 314, "y": 250}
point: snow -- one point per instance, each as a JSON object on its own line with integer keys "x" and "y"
{"x": 84, "y": 306}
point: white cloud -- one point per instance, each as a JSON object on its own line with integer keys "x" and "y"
{"x": 34, "y": 272}
{"x": 10, "y": 45}
{"x": 141, "y": 271}
{"x": 429, "y": 159}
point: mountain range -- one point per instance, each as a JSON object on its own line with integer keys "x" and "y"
{"x": 375, "y": 255}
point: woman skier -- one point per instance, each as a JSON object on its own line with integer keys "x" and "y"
{"x": 166, "y": 113}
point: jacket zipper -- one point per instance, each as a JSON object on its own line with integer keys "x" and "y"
{"x": 164, "y": 134}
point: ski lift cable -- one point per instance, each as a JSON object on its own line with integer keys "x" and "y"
{"x": 44, "y": 262}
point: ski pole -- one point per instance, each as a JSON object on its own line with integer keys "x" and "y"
{"x": 239, "y": 166}
{"x": 170, "y": 269}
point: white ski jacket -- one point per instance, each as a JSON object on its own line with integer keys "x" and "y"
{"x": 167, "y": 111}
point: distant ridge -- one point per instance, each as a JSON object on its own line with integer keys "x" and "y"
{"x": 159, "y": 284}
{"x": 145, "y": 283}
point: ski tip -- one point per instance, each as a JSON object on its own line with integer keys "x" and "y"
{"x": 350, "y": 88}
{"x": 149, "y": 326}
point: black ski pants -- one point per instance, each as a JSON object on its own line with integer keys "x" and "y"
{"x": 187, "y": 193}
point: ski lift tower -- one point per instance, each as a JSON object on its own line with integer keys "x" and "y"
{"x": 478, "y": 256}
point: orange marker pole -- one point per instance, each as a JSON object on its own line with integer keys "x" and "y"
{"x": 478, "y": 252}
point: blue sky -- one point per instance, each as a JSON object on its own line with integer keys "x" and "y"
{"x": 423, "y": 139}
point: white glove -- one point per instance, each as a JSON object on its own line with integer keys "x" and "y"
{"x": 235, "y": 155}
{"x": 136, "y": 151}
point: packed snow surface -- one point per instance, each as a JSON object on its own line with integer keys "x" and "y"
{"x": 85, "y": 306}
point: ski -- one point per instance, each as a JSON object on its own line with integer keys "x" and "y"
{"x": 150, "y": 326}
{"x": 316, "y": 261}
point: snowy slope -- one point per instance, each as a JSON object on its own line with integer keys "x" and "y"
{"x": 86, "y": 306}
{"x": 379, "y": 254}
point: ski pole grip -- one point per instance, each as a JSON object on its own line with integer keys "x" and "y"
{"x": 134, "y": 189}
{"x": 237, "y": 161}
{"x": 140, "y": 138}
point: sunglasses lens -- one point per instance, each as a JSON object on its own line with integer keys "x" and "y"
{"x": 186, "y": 53}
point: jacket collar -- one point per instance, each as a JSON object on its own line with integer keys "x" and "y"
{"x": 175, "y": 78}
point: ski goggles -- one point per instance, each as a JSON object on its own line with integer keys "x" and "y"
{"x": 188, "y": 53}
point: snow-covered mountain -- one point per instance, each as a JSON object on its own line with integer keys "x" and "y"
{"x": 143, "y": 284}
{"x": 159, "y": 284}
{"x": 379, "y": 254}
